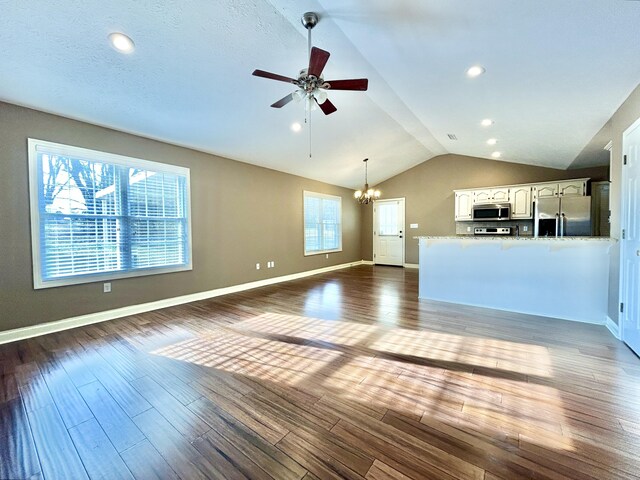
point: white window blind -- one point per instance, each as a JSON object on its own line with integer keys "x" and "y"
{"x": 322, "y": 223}
{"x": 98, "y": 216}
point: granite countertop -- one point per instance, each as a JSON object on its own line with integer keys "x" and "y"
{"x": 508, "y": 237}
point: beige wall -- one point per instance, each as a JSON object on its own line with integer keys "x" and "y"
{"x": 241, "y": 215}
{"x": 621, "y": 120}
{"x": 428, "y": 190}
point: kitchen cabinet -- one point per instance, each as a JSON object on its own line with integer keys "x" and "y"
{"x": 573, "y": 188}
{"x": 482, "y": 196}
{"x": 463, "y": 205}
{"x": 521, "y": 197}
{"x": 570, "y": 188}
{"x": 521, "y": 202}
{"x": 546, "y": 190}
{"x": 491, "y": 195}
{"x": 500, "y": 195}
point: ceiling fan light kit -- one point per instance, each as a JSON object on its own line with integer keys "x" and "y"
{"x": 366, "y": 195}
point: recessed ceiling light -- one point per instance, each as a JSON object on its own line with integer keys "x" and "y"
{"x": 296, "y": 127}
{"x": 496, "y": 154}
{"x": 487, "y": 122}
{"x": 121, "y": 42}
{"x": 492, "y": 141}
{"x": 475, "y": 71}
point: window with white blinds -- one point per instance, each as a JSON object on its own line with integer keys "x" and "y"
{"x": 97, "y": 216}
{"x": 322, "y": 223}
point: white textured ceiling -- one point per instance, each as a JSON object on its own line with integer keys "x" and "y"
{"x": 556, "y": 72}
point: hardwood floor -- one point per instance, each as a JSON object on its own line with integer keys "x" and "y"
{"x": 340, "y": 375}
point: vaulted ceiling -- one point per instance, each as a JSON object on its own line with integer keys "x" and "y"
{"x": 556, "y": 70}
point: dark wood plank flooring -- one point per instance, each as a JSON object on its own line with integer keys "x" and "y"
{"x": 340, "y": 375}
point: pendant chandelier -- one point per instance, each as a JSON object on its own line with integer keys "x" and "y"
{"x": 366, "y": 195}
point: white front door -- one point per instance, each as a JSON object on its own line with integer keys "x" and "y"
{"x": 388, "y": 232}
{"x": 630, "y": 242}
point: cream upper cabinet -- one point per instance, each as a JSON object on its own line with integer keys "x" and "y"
{"x": 546, "y": 190}
{"x": 482, "y": 196}
{"x": 521, "y": 201}
{"x": 491, "y": 195}
{"x": 500, "y": 195}
{"x": 463, "y": 206}
{"x": 572, "y": 188}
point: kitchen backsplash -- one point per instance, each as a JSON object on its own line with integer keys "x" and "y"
{"x": 466, "y": 228}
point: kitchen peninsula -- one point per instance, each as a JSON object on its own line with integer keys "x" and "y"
{"x": 563, "y": 278}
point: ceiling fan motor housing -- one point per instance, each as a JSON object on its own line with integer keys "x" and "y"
{"x": 310, "y": 83}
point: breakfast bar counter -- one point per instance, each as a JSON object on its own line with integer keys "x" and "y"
{"x": 564, "y": 278}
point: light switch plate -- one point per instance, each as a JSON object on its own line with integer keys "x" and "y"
{"x": 413, "y": 225}
{"x": 106, "y": 287}
{"x": 525, "y": 228}
{"x": 257, "y": 266}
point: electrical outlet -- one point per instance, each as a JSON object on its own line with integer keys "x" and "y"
{"x": 273, "y": 263}
{"x": 468, "y": 229}
{"x": 106, "y": 287}
{"x": 326, "y": 255}
{"x": 525, "y": 228}
{"x": 257, "y": 266}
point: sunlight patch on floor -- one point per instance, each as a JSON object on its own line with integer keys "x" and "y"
{"x": 468, "y": 381}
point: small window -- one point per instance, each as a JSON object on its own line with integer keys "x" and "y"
{"x": 322, "y": 223}
{"x": 97, "y": 216}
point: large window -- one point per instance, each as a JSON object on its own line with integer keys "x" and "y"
{"x": 97, "y": 216}
{"x": 322, "y": 223}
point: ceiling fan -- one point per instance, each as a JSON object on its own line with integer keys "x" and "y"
{"x": 311, "y": 85}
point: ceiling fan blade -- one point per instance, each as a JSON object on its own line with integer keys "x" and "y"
{"x": 327, "y": 107}
{"x": 274, "y": 76}
{"x": 354, "y": 84}
{"x": 283, "y": 101}
{"x": 317, "y": 61}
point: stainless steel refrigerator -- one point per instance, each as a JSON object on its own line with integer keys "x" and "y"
{"x": 563, "y": 217}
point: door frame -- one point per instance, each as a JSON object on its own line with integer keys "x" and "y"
{"x": 404, "y": 229}
{"x": 623, "y": 212}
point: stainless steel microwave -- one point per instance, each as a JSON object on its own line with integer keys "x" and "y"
{"x": 491, "y": 212}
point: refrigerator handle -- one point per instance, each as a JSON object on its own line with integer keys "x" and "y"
{"x": 562, "y": 220}
{"x": 557, "y": 218}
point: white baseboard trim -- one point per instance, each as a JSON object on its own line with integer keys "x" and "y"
{"x": 79, "y": 321}
{"x": 406, "y": 265}
{"x": 613, "y": 327}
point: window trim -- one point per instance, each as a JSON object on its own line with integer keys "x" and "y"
{"x": 34, "y": 146}
{"x": 320, "y": 195}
